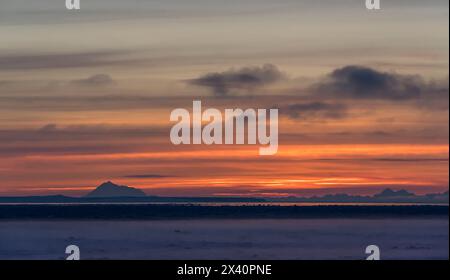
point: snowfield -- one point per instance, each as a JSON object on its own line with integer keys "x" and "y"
{"x": 227, "y": 239}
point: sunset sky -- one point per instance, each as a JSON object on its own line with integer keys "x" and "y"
{"x": 85, "y": 96}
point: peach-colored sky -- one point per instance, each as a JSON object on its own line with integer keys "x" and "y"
{"x": 85, "y": 97}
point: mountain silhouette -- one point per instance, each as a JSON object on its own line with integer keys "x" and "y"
{"x": 109, "y": 189}
{"x": 385, "y": 196}
{"x": 388, "y": 193}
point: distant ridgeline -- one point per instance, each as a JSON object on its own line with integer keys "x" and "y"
{"x": 386, "y": 196}
{"x": 110, "y": 192}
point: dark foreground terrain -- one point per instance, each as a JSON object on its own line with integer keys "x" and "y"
{"x": 174, "y": 212}
{"x": 227, "y": 239}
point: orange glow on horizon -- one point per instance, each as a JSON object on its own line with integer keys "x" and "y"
{"x": 294, "y": 168}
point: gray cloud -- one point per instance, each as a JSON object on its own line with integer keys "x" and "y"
{"x": 366, "y": 83}
{"x": 247, "y": 78}
{"x": 315, "y": 110}
{"x": 95, "y": 80}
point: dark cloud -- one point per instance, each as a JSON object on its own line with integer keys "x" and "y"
{"x": 248, "y": 78}
{"x": 95, "y": 80}
{"x": 366, "y": 83}
{"x": 315, "y": 110}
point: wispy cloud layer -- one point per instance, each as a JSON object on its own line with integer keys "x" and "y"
{"x": 95, "y": 80}
{"x": 36, "y": 61}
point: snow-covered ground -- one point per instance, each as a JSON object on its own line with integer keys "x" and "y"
{"x": 227, "y": 239}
